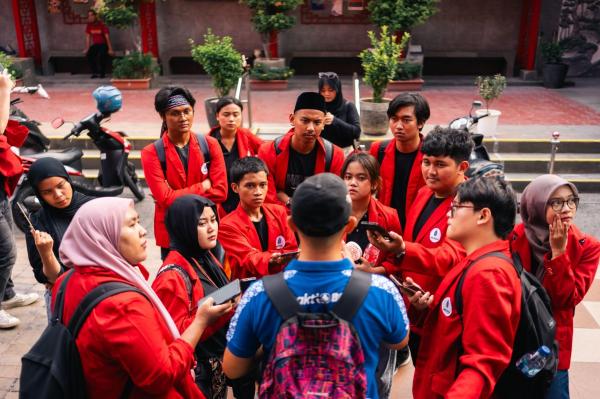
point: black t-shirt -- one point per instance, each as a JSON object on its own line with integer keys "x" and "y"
{"x": 184, "y": 155}
{"x": 431, "y": 206}
{"x": 233, "y": 199}
{"x": 359, "y": 234}
{"x": 263, "y": 232}
{"x": 404, "y": 164}
{"x": 300, "y": 166}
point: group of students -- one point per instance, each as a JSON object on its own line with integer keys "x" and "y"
{"x": 229, "y": 206}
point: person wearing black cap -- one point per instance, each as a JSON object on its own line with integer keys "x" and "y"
{"x": 301, "y": 152}
{"x": 342, "y": 123}
{"x": 320, "y": 215}
{"x": 181, "y": 162}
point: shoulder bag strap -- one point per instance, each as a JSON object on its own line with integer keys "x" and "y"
{"x": 354, "y": 295}
{"x": 184, "y": 274}
{"x": 280, "y": 295}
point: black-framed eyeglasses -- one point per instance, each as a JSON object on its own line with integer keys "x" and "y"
{"x": 328, "y": 75}
{"x": 558, "y": 204}
{"x": 455, "y": 206}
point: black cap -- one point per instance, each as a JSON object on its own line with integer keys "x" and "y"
{"x": 321, "y": 205}
{"x": 310, "y": 100}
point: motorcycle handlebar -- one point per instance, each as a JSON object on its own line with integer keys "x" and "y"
{"x": 91, "y": 122}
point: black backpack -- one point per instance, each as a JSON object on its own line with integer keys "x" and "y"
{"x": 328, "y": 151}
{"x": 381, "y": 150}
{"x": 536, "y": 327}
{"x": 52, "y": 367}
{"x": 159, "y": 146}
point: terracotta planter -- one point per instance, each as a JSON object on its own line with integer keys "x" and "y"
{"x": 373, "y": 117}
{"x": 268, "y": 84}
{"x": 19, "y": 82}
{"x": 406, "y": 85}
{"x": 131, "y": 84}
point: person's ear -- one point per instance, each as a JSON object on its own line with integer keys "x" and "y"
{"x": 292, "y": 119}
{"x": 485, "y": 216}
{"x": 463, "y": 166}
{"x": 235, "y": 188}
{"x": 350, "y": 224}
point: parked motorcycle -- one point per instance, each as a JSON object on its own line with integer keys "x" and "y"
{"x": 115, "y": 170}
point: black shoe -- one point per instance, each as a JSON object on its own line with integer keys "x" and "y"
{"x": 94, "y": 76}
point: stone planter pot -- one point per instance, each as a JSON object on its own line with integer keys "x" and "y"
{"x": 373, "y": 117}
{"x": 270, "y": 63}
{"x": 488, "y": 124}
{"x": 262, "y": 85}
{"x": 554, "y": 75}
{"x": 131, "y": 84}
{"x": 406, "y": 85}
{"x": 210, "y": 106}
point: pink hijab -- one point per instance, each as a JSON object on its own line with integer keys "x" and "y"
{"x": 92, "y": 239}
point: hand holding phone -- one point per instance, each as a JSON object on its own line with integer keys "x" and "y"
{"x": 224, "y": 294}
{"x": 376, "y": 228}
{"x": 408, "y": 288}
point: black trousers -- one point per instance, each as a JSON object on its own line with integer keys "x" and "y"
{"x": 97, "y": 56}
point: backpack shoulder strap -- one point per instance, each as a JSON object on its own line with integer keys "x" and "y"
{"x": 93, "y": 298}
{"x": 276, "y": 143}
{"x": 328, "y": 154}
{"x": 354, "y": 295}
{"x": 159, "y": 146}
{"x": 184, "y": 274}
{"x": 458, "y": 299}
{"x": 203, "y": 147}
{"x": 57, "y": 312}
{"x": 382, "y": 148}
{"x": 280, "y": 295}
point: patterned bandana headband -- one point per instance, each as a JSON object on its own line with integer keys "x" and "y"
{"x": 176, "y": 101}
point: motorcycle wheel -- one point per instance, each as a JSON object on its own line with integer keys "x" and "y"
{"x": 25, "y": 196}
{"x": 133, "y": 182}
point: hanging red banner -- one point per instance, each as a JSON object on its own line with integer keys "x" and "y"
{"x": 148, "y": 27}
{"x": 26, "y": 27}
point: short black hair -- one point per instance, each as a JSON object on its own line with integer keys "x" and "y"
{"x": 162, "y": 97}
{"x": 447, "y": 142}
{"x": 241, "y": 167}
{"x": 225, "y": 101}
{"x": 416, "y": 100}
{"x": 493, "y": 193}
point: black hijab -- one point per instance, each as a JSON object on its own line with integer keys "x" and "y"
{"x": 55, "y": 220}
{"x": 182, "y": 224}
{"x": 332, "y": 80}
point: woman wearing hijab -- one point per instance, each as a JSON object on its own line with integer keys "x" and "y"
{"x": 193, "y": 227}
{"x": 562, "y": 257}
{"x": 342, "y": 124}
{"x": 129, "y": 338}
{"x": 53, "y": 188}
{"x": 236, "y": 142}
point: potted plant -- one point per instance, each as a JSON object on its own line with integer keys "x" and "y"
{"x": 122, "y": 14}
{"x": 380, "y": 63}
{"x": 401, "y": 15}
{"x": 222, "y": 62}
{"x": 554, "y": 70}
{"x": 407, "y": 77}
{"x": 265, "y": 78}
{"x": 8, "y": 63}
{"x": 133, "y": 71}
{"x": 490, "y": 88}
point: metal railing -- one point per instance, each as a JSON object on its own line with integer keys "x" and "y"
{"x": 554, "y": 142}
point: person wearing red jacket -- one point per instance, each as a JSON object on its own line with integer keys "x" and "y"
{"x": 129, "y": 339}
{"x": 400, "y": 158}
{"x": 189, "y": 273}
{"x": 185, "y": 170}
{"x": 236, "y": 142}
{"x": 301, "y": 152}
{"x": 424, "y": 253}
{"x": 464, "y": 352}
{"x": 255, "y": 235}
{"x": 563, "y": 258}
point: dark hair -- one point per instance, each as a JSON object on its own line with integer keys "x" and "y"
{"x": 369, "y": 163}
{"x": 241, "y": 167}
{"x": 447, "y": 142}
{"x": 162, "y": 97}
{"x": 225, "y": 101}
{"x": 495, "y": 194}
{"x": 91, "y": 10}
{"x": 410, "y": 99}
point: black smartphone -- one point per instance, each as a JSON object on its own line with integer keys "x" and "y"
{"x": 245, "y": 283}
{"x": 407, "y": 288}
{"x": 375, "y": 227}
{"x": 224, "y": 294}
{"x": 291, "y": 255}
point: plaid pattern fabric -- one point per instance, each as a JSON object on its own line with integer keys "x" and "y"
{"x": 315, "y": 355}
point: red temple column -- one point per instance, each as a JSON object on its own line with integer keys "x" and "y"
{"x": 273, "y": 44}
{"x": 26, "y": 27}
{"x": 528, "y": 33}
{"x": 148, "y": 28}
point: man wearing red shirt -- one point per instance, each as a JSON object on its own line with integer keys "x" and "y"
{"x": 255, "y": 235}
{"x": 301, "y": 152}
{"x": 97, "y": 45}
{"x": 464, "y": 353}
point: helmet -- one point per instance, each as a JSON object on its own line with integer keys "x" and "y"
{"x": 484, "y": 169}
{"x": 108, "y": 99}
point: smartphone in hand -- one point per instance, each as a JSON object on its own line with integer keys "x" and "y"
{"x": 224, "y": 294}
{"x": 406, "y": 287}
{"x": 377, "y": 228}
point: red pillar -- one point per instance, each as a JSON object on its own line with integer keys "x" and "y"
{"x": 26, "y": 27}
{"x": 273, "y": 44}
{"x": 528, "y": 33}
{"x": 148, "y": 28}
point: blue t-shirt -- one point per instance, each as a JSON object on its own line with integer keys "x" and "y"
{"x": 317, "y": 285}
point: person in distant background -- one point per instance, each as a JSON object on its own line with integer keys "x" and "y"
{"x": 97, "y": 45}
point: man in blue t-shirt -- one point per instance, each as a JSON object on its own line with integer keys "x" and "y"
{"x": 320, "y": 216}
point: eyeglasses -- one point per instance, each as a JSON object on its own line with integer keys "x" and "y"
{"x": 329, "y": 75}
{"x": 455, "y": 206}
{"x": 558, "y": 204}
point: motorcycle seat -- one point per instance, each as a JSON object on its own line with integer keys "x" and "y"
{"x": 66, "y": 156}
